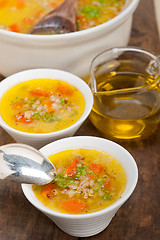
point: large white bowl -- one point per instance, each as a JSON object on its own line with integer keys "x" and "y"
{"x": 71, "y": 52}
{"x": 40, "y": 139}
{"x": 84, "y": 225}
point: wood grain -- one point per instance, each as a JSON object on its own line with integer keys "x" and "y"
{"x": 138, "y": 218}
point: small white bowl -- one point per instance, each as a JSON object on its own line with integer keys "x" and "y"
{"x": 39, "y": 140}
{"x": 85, "y": 225}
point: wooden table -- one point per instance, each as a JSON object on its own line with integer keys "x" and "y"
{"x": 138, "y": 219}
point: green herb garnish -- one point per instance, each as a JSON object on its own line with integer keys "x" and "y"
{"x": 63, "y": 181}
{"x": 48, "y": 117}
{"x": 90, "y": 11}
{"x": 96, "y": 188}
{"x": 107, "y": 196}
{"x": 36, "y": 115}
{"x": 62, "y": 101}
{"x": 81, "y": 170}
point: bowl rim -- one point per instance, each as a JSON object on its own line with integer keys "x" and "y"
{"x": 112, "y": 207}
{"x": 87, "y": 107}
{"x": 117, "y": 19}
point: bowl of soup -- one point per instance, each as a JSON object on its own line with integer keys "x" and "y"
{"x": 100, "y": 25}
{"x": 41, "y": 105}
{"x": 94, "y": 178}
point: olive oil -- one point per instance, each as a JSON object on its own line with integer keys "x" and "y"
{"x": 126, "y": 104}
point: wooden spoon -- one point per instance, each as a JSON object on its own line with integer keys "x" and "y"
{"x": 60, "y": 20}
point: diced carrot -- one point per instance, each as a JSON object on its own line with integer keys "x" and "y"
{"x": 20, "y": 118}
{"x": 38, "y": 13}
{"x": 91, "y": 177}
{"x": 48, "y": 190}
{"x": 82, "y": 21}
{"x": 73, "y": 205}
{"x": 27, "y": 21}
{"x": 113, "y": 15}
{"x": 3, "y": 3}
{"x": 48, "y": 104}
{"x": 96, "y": 168}
{"x": 71, "y": 170}
{"x": 107, "y": 185}
{"x": 20, "y": 4}
{"x": 64, "y": 90}
{"x": 16, "y": 106}
{"x": 54, "y": 5}
{"x": 39, "y": 92}
{"x": 14, "y": 28}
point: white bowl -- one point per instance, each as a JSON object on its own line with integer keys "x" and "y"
{"x": 84, "y": 225}
{"x": 71, "y": 52}
{"x": 39, "y": 140}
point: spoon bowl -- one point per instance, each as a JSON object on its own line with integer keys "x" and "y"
{"x": 25, "y": 164}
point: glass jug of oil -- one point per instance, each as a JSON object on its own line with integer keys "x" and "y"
{"x": 126, "y": 89}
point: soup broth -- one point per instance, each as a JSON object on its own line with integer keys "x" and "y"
{"x": 21, "y": 15}
{"x": 42, "y": 106}
{"x": 87, "y": 181}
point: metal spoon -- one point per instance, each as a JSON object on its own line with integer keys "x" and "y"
{"x": 25, "y": 164}
{"x": 60, "y": 20}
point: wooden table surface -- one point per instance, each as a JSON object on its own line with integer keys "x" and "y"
{"x": 139, "y": 217}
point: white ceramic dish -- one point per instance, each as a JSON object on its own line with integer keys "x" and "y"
{"x": 39, "y": 140}
{"x": 71, "y": 52}
{"x": 85, "y": 225}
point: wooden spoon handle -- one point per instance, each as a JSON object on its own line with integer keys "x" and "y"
{"x": 67, "y": 10}
{"x": 63, "y": 18}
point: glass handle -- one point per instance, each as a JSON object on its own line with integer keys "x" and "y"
{"x": 153, "y": 68}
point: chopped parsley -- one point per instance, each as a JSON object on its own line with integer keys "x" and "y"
{"x": 63, "y": 181}
{"x": 90, "y": 11}
{"x": 62, "y": 101}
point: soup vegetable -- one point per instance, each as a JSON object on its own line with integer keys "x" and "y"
{"x": 21, "y": 15}
{"x": 42, "y": 106}
{"x": 87, "y": 181}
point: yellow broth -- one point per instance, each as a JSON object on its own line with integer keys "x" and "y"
{"x": 87, "y": 181}
{"x": 42, "y": 106}
{"x": 22, "y": 15}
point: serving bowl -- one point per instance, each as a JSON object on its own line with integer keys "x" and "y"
{"x": 40, "y": 139}
{"x": 84, "y": 225}
{"x": 71, "y": 52}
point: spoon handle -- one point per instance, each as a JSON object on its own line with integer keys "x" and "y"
{"x": 28, "y": 166}
{"x": 5, "y": 168}
{"x": 60, "y": 20}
